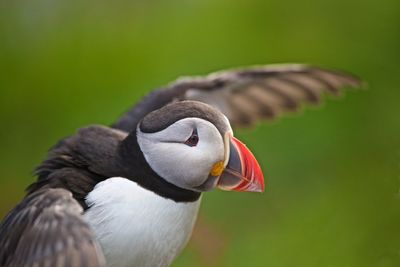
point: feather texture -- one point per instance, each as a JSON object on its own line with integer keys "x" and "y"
{"x": 247, "y": 95}
{"x": 47, "y": 229}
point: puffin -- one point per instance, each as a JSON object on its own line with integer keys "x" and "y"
{"x": 128, "y": 194}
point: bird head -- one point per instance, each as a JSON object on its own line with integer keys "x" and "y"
{"x": 191, "y": 145}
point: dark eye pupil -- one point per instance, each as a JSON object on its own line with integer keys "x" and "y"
{"x": 193, "y": 139}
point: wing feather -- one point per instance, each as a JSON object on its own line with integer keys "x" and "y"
{"x": 47, "y": 229}
{"x": 248, "y": 95}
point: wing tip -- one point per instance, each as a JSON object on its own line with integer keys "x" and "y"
{"x": 351, "y": 80}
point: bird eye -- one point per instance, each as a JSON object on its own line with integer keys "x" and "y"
{"x": 193, "y": 139}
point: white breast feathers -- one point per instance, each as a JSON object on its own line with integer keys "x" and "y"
{"x": 136, "y": 227}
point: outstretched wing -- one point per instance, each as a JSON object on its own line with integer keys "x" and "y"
{"x": 247, "y": 95}
{"x": 47, "y": 229}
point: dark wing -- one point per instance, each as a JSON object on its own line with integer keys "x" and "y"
{"x": 47, "y": 229}
{"x": 247, "y": 95}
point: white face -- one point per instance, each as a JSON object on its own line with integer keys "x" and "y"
{"x": 171, "y": 153}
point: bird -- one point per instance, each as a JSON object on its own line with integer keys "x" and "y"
{"x": 128, "y": 194}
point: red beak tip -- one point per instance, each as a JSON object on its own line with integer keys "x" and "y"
{"x": 246, "y": 178}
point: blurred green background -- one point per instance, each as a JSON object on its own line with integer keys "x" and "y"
{"x": 333, "y": 173}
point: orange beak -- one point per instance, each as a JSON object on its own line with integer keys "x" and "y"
{"x": 242, "y": 172}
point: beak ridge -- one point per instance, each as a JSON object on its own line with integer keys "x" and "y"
{"x": 242, "y": 173}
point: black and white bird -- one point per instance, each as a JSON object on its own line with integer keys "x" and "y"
{"x": 128, "y": 194}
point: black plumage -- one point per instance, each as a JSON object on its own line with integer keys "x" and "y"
{"x": 47, "y": 229}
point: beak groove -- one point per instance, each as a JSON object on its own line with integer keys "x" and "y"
{"x": 242, "y": 172}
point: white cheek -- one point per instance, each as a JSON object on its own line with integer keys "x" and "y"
{"x": 178, "y": 163}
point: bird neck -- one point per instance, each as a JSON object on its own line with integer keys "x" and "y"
{"x": 134, "y": 164}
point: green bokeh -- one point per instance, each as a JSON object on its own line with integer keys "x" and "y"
{"x": 333, "y": 173}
